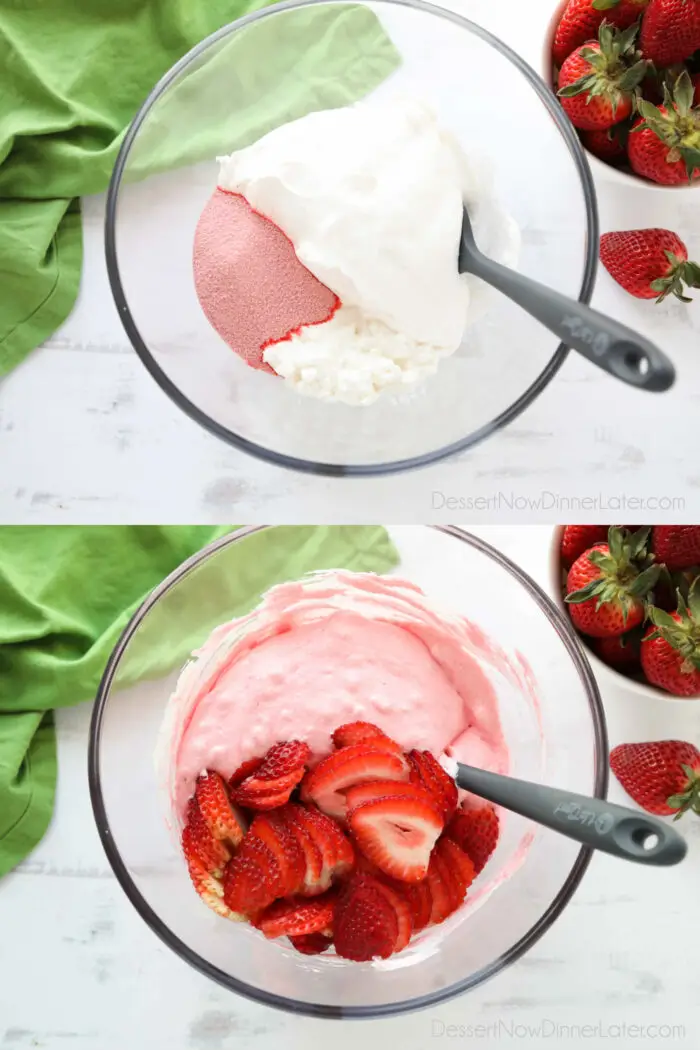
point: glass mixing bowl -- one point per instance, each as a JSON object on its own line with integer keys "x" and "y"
{"x": 282, "y": 62}
{"x": 553, "y": 725}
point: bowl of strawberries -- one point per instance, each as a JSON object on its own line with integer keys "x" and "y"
{"x": 633, "y": 596}
{"x": 282, "y": 810}
{"x": 627, "y": 73}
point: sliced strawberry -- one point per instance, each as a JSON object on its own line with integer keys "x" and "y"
{"x": 245, "y": 770}
{"x": 199, "y": 843}
{"x": 475, "y": 830}
{"x": 458, "y": 864}
{"x": 297, "y": 916}
{"x": 252, "y": 879}
{"x": 211, "y": 891}
{"x": 351, "y": 765}
{"x": 440, "y": 891}
{"x": 363, "y": 733}
{"x": 261, "y": 799}
{"x": 365, "y": 925}
{"x": 402, "y": 909}
{"x": 427, "y": 771}
{"x": 397, "y": 834}
{"x": 319, "y": 833}
{"x": 272, "y": 782}
{"x": 420, "y": 901}
{"x": 358, "y": 794}
{"x": 284, "y": 845}
{"x": 311, "y": 943}
{"x": 313, "y": 857}
{"x": 336, "y": 848}
{"x": 224, "y": 820}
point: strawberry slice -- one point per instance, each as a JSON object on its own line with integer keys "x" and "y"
{"x": 319, "y": 833}
{"x": 475, "y": 829}
{"x": 362, "y": 733}
{"x": 298, "y": 916}
{"x": 397, "y": 834}
{"x": 420, "y": 902}
{"x": 224, "y": 820}
{"x": 328, "y": 834}
{"x": 292, "y": 815}
{"x": 402, "y": 910}
{"x": 211, "y": 890}
{"x": 427, "y": 771}
{"x": 358, "y": 794}
{"x": 285, "y": 847}
{"x": 311, "y": 943}
{"x": 261, "y": 800}
{"x": 252, "y": 879}
{"x": 440, "y": 893}
{"x": 365, "y": 925}
{"x": 351, "y": 765}
{"x": 199, "y": 844}
{"x": 245, "y": 770}
{"x": 272, "y": 782}
{"x": 458, "y": 863}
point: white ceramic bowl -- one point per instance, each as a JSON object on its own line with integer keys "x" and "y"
{"x": 603, "y": 672}
{"x": 598, "y": 168}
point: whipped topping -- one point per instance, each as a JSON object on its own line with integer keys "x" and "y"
{"x": 371, "y": 197}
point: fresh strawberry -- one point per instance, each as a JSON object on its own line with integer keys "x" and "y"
{"x": 597, "y": 82}
{"x": 662, "y": 776}
{"x": 362, "y": 733}
{"x": 474, "y": 828}
{"x": 355, "y": 764}
{"x": 621, "y": 652}
{"x": 441, "y": 893}
{"x": 331, "y": 840}
{"x": 311, "y": 943}
{"x": 402, "y": 910}
{"x": 397, "y": 834}
{"x": 664, "y": 144}
{"x": 607, "y": 144}
{"x": 577, "y": 539}
{"x": 374, "y": 789}
{"x": 606, "y": 585}
{"x": 649, "y": 264}
{"x": 677, "y": 546}
{"x": 364, "y": 925}
{"x": 298, "y": 916}
{"x": 224, "y": 820}
{"x": 245, "y": 770}
{"x": 252, "y": 879}
{"x": 198, "y": 843}
{"x": 273, "y": 781}
{"x": 427, "y": 772}
{"x": 282, "y": 842}
{"x": 420, "y": 902}
{"x": 671, "y": 647}
{"x": 670, "y": 31}
{"x": 459, "y": 863}
{"x": 210, "y": 889}
{"x": 316, "y": 878}
{"x": 581, "y": 21}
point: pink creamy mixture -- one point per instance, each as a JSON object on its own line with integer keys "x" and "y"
{"x": 251, "y": 286}
{"x": 332, "y": 648}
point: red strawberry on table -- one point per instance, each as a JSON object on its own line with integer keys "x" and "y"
{"x": 576, "y": 539}
{"x": 649, "y": 264}
{"x": 582, "y": 18}
{"x": 664, "y": 143}
{"x": 677, "y": 546}
{"x": 597, "y": 82}
{"x": 474, "y": 828}
{"x": 671, "y": 647}
{"x": 397, "y": 834}
{"x": 662, "y": 776}
{"x": 607, "y": 585}
{"x": 670, "y": 31}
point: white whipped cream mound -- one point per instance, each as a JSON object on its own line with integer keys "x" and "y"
{"x": 371, "y": 197}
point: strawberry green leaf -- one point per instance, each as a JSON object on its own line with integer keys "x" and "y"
{"x": 683, "y": 92}
{"x": 660, "y": 618}
{"x": 604, "y": 5}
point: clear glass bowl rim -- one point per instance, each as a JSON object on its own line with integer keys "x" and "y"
{"x": 334, "y": 469}
{"x": 259, "y": 995}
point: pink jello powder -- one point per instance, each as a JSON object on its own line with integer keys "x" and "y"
{"x": 253, "y": 289}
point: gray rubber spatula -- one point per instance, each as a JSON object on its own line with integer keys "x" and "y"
{"x": 607, "y": 343}
{"x": 626, "y": 833}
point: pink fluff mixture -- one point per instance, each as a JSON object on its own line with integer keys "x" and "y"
{"x": 250, "y": 284}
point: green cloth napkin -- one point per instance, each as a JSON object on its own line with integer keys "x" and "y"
{"x": 73, "y": 74}
{"x": 66, "y": 594}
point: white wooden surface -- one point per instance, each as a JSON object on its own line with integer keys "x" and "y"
{"x": 86, "y": 435}
{"x": 79, "y": 969}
